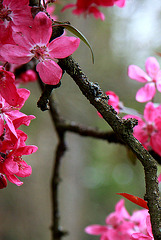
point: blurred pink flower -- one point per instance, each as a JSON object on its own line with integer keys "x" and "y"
{"x": 148, "y": 130}
{"x": 113, "y": 101}
{"x": 121, "y": 226}
{"x": 91, "y": 7}
{"x": 152, "y": 79}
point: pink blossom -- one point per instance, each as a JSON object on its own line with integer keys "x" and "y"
{"x": 3, "y": 181}
{"x": 34, "y": 42}
{"x": 9, "y": 113}
{"x": 91, "y": 7}
{"x": 11, "y": 162}
{"x": 113, "y": 101}
{"x": 121, "y": 226}
{"x": 118, "y": 225}
{"x": 148, "y": 130}
{"x": 152, "y": 79}
{"x": 25, "y": 77}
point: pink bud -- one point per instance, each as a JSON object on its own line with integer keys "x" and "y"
{"x": 3, "y": 181}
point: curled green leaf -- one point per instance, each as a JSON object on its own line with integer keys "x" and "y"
{"x": 77, "y": 33}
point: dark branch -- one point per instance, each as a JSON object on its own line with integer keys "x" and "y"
{"x": 124, "y": 130}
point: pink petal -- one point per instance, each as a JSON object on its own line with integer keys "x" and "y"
{"x": 8, "y": 89}
{"x": 1, "y": 126}
{"x": 24, "y": 120}
{"x": 159, "y": 178}
{"x": 158, "y": 81}
{"x": 140, "y": 236}
{"x": 24, "y": 94}
{"x": 25, "y": 170}
{"x": 146, "y": 93}
{"x": 10, "y": 125}
{"x": 10, "y": 167}
{"x": 62, "y": 47}
{"x": 105, "y": 3}
{"x": 141, "y": 135}
{"x": 15, "y": 54}
{"x": 149, "y": 228}
{"x": 136, "y": 73}
{"x": 96, "y": 229}
{"x": 49, "y": 71}
{"x": 42, "y": 28}
{"x": 14, "y": 179}
{"x": 26, "y": 150}
{"x": 149, "y": 112}
{"x": 121, "y": 210}
{"x": 120, "y": 3}
{"x": 152, "y": 67}
{"x": 68, "y": 6}
{"x": 97, "y": 14}
{"x": 155, "y": 141}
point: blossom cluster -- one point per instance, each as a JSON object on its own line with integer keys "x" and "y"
{"x": 12, "y": 139}
{"x": 23, "y": 38}
{"x": 120, "y": 225}
{"x": 92, "y": 7}
{"x": 148, "y": 130}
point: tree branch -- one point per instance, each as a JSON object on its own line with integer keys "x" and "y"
{"x": 123, "y": 129}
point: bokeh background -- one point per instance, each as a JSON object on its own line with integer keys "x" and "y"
{"x": 92, "y": 171}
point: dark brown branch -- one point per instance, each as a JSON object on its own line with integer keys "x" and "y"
{"x": 57, "y": 232}
{"x": 123, "y": 129}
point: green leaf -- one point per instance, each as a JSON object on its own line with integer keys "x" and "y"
{"x": 77, "y": 33}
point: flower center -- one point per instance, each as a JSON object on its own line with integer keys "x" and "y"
{"x": 150, "y": 128}
{"x": 40, "y": 52}
{"x": 4, "y": 13}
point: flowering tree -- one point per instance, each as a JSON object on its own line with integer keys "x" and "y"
{"x": 33, "y": 46}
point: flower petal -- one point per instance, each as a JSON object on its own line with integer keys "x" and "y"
{"x": 136, "y": 73}
{"x": 149, "y": 112}
{"x": 120, "y": 3}
{"x": 64, "y": 46}
{"x": 41, "y": 29}
{"x": 152, "y": 67}
{"x": 14, "y": 179}
{"x": 15, "y": 54}
{"x": 96, "y": 229}
{"x": 49, "y": 71}
{"x": 146, "y": 93}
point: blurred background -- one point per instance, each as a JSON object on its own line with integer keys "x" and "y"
{"x": 92, "y": 171}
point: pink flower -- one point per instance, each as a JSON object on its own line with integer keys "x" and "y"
{"x": 148, "y": 130}
{"x": 14, "y": 165}
{"x": 28, "y": 76}
{"x": 9, "y": 113}
{"x": 91, "y": 7}
{"x": 118, "y": 225}
{"x": 113, "y": 101}
{"x": 152, "y": 78}
{"x": 34, "y": 42}
{"x": 121, "y": 226}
